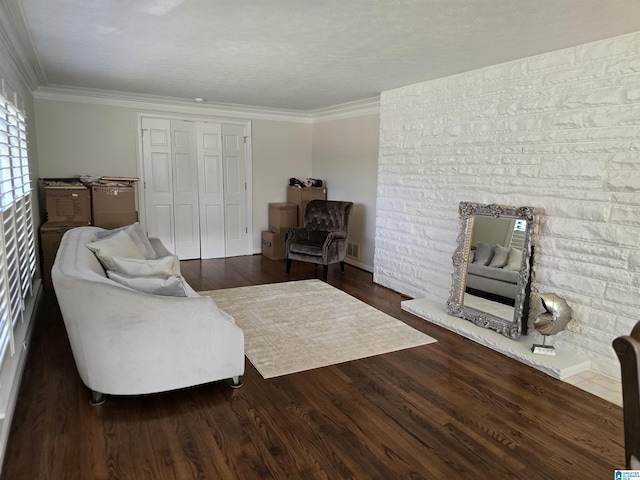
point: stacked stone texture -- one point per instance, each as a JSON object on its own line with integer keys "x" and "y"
{"x": 559, "y": 132}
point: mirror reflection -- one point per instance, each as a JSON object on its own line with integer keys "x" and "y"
{"x": 491, "y": 267}
{"x": 494, "y": 265}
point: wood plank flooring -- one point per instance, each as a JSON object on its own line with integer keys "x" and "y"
{"x": 452, "y": 409}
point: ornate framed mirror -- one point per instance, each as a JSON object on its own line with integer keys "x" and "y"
{"x": 491, "y": 267}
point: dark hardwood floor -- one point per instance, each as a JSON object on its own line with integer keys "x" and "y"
{"x": 452, "y": 409}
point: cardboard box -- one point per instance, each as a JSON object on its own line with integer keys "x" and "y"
{"x": 110, "y": 220}
{"x": 273, "y": 245}
{"x": 282, "y": 216}
{"x": 70, "y": 205}
{"x": 113, "y": 199}
{"x": 302, "y": 196}
{"x": 113, "y": 207}
{"x": 50, "y": 236}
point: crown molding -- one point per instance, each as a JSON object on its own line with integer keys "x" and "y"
{"x": 358, "y": 108}
{"x": 16, "y": 42}
{"x": 181, "y": 105}
{"x": 160, "y": 103}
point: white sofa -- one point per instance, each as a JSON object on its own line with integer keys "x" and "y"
{"x": 126, "y": 342}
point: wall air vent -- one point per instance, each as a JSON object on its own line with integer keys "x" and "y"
{"x": 353, "y": 250}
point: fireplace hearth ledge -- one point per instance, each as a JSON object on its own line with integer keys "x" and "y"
{"x": 564, "y": 364}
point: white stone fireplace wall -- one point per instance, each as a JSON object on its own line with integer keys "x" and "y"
{"x": 559, "y": 132}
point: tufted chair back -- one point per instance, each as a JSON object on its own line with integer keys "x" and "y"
{"x": 329, "y": 216}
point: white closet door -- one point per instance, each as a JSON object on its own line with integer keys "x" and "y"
{"x": 235, "y": 190}
{"x": 185, "y": 193}
{"x": 158, "y": 180}
{"x": 195, "y": 193}
{"x": 210, "y": 179}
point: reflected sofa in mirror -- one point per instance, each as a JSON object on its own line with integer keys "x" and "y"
{"x": 491, "y": 267}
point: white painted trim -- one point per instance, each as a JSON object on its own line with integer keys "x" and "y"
{"x": 15, "y": 41}
{"x": 359, "y": 108}
{"x": 249, "y": 190}
{"x": 154, "y": 103}
{"x": 361, "y": 266}
{"x": 176, "y": 105}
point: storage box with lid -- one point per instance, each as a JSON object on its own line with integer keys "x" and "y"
{"x": 282, "y": 216}
{"x": 303, "y": 195}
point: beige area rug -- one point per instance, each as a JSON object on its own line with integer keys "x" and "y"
{"x": 295, "y": 326}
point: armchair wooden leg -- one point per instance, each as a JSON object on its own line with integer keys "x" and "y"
{"x": 288, "y": 265}
{"x": 342, "y": 267}
{"x": 325, "y": 270}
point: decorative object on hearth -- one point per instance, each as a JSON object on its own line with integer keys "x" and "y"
{"x": 554, "y": 320}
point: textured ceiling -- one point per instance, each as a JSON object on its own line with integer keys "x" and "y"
{"x": 304, "y": 54}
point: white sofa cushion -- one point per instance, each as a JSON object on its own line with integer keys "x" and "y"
{"x": 170, "y": 285}
{"x": 169, "y": 265}
{"x": 118, "y": 245}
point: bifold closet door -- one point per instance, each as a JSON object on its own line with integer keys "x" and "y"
{"x": 171, "y": 185}
{"x": 211, "y": 182}
{"x": 235, "y": 190}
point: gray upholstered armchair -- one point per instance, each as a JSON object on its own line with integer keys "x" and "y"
{"x": 323, "y": 238}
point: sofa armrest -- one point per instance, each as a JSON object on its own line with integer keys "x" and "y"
{"x": 158, "y": 247}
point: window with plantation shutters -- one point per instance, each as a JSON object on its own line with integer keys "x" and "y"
{"x": 17, "y": 243}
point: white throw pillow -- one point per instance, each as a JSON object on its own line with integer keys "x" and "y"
{"x": 118, "y": 245}
{"x": 515, "y": 259}
{"x": 168, "y": 265}
{"x": 500, "y": 256}
{"x": 138, "y": 236}
{"x": 168, "y": 285}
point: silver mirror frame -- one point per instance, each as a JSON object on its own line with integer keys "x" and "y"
{"x": 455, "y": 307}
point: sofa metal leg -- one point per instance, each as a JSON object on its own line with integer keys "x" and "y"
{"x": 235, "y": 382}
{"x": 97, "y": 398}
{"x": 325, "y": 270}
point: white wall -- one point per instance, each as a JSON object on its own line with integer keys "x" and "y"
{"x": 345, "y": 154}
{"x": 77, "y": 137}
{"x": 281, "y": 150}
{"x": 559, "y": 132}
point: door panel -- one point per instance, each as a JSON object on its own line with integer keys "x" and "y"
{"x": 235, "y": 193}
{"x": 210, "y": 169}
{"x": 158, "y": 180}
{"x": 162, "y": 217}
{"x": 185, "y": 196}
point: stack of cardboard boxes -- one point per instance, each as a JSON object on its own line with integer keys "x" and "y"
{"x": 302, "y": 196}
{"x": 283, "y": 216}
{"x": 69, "y": 204}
